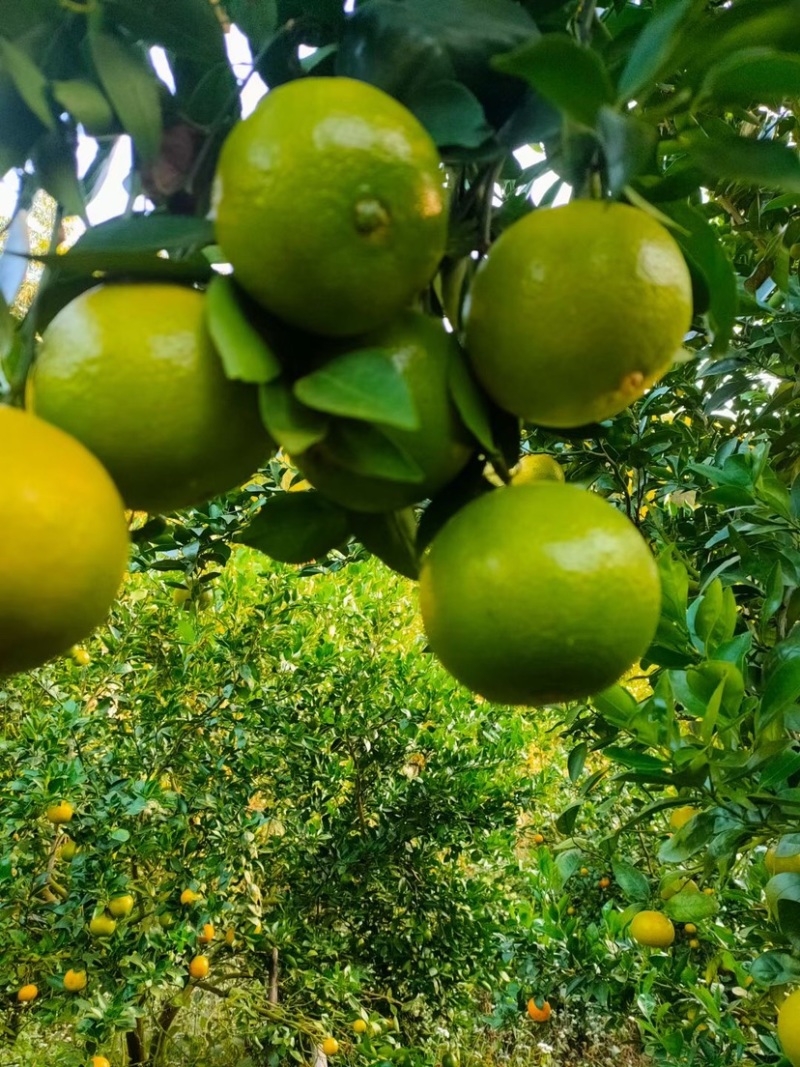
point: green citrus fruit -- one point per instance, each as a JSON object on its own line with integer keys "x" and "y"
{"x": 535, "y": 467}
{"x": 775, "y": 864}
{"x": 576, "y": 311}
{"x": 121, "y": 907}
{"x": 652, "y": 928}
{"x": 539, "y": 593}
{"x": 102, "y": 926}
{"x": 330, "y": 204}
{"x": 421, "y": 350}
{"x": 789, "y": 1028}
{"x": 130, "y": 370}
{"x": 58, "y": 578}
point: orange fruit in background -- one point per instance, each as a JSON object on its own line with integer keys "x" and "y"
{"x": 199, "y": 967}
{"x": 28, "y": 993}
{"x": 421, "y": 350}
{"x": 653, "y": 929}
{"x": 65, "y": 542}
{"x": 188, "y": 896}
{"x": 537, "y": 594}
{"x": 60, "y": 813}
{"x": 207, "y": 934}
{"x": 330, "y": 1046}
{"x": 330, "y": 204}
{"x": 100, "y": 1061}
{"x": 576, "y": 311}
{"x": 539, "y": 1015}
{"x": 604, "y": 883}
{"x": 75, "y": 981}
{"x": 130, "y": 370}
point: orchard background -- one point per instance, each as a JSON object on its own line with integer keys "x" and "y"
{"x": 369, "y": 841}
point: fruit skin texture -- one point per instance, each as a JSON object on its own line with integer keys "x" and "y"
{"x": 131, "y": 371}
{"x": 60, "y": 813}
{"x": 421, "y": 349}
{"x": 75, "y": 981}
{"x": 680, "y": 816}
{"x": 540, "y": 593}
{"x": 28, "y": 993}
{"x": 539, "y": 1015}
{"x": 576, "y": 311}
{"x": 102, "y": 926}
{"x": 121, "y": 907}
{"x": 199, "y": 967}
{"x": 330, "y": 204}
{"x": 781, "y": 864}
{"x": 789, "y": 1028}
{"x": 653, "y": 929}
{"x": 65, "y": 542}
{"x": 330, "y": 1046}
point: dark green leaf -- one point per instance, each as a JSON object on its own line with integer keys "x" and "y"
{"x": 244, "y": 352}
{"x": 775, "y": 968}
{"x": 781, "y": 691}
{"x": 628, "y": 146}
{"x": 470, "y": 402}
{"x": 29, "y": 81}
{"x": 655, "y": 47}
{"x": 86, "y": 104}
{"x": 576, "y": 761}
{"x": 127, "y": 265}
{"x": 133, "y": 89}
{"x": 7, "y": 326}
{"x": 190, "y": 27}
{"x": 363, "y": 449}
{"x": 294, "y": 426}
{"x": 690, "y": 907}
{"x": 364, "y": 384}
{"x": 633, "y": 883}
{"x": 753, "y": 75}
{"x": 297, "y": 527}
{"x": 257, "y": 19}
{"x": 391, "y": 537}
{"x": 783, "y": 900}
{"x": 572, "y": 78}
{"x": 756, "y": 163}
{"x": 451, "y": 114}
{"x": 148, "y": 233}
{"x": 54, "y": 159}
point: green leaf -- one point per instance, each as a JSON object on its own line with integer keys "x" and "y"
{"x": 365, "y": 384}
{"x": 29, "y": 81}
{"x": 754, "y": 163}
{"x": 783, "y": 900}
{"x": 655, "y": 48}
{"x": 148, "y": 233}
{"x": 130, "y": 265}
{"x": 700, "y": 243}
{"x": 297, "y": 527}
{"x": 451, "y": 114}
{"x": 132, "y": 87}
{"x": 781, "y": 692}
{"x": 362, "y": 448}
{"x": 569, "y": 863}
{"x": 753, "y": 76}
{"x": 470, "y": 402}
{"x": 633, "y": 883}
{"x": 572, "y": 78}
{"x": 674, "y": 587}
{"x": 690, "y": 907}
{"x": 245, "y": 354}
{"x": 576, "y": 761}
{"x": 628, "y": 146}
{"x": 188, "y": 27}
{"x": 56, "y": 167}
{"x": 7, "y": 329}
{"x": 294, "y": 426}
{"x": 86, "y": 104}
{"x": 257, "y": 19}
{"x": 391, "y": 537}
{"x": 775, "y": 968}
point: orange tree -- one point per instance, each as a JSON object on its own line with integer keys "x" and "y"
{"x": 681, "y": 109}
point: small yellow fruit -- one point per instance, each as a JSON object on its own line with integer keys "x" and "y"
{"x": 180, "y": 596}
{"x": 709, "y": 892}
{"x": 75, "y": 981}
{"x": 359, "y": 1026}
{"x": 694, "y": 943}
{"x": 534, "y": 468}
{"x": 60, "y": 813}
{"x": 776, "y": 864}
{"x": 81, "y": 657}
{"x": 538, "y": 839}
{"x": 28, "y": 993}
{"x": 207, "y": 934}
{"x": 100, "y": 1061}
{"x": 330, "y": 1046}
{"x": 789, "y": 1028}
{"x": 680, "y": 816}
{"x": 230, "y": 936}
{"x": 188, "y": 896}
{"x": 584, "y": 872}
{"x": 689, "y": 928}
{"x": 199, "y": 967}
{"x": 653, "y": 929}
{"x": 102, "y": 926}
{"x": 604, "y": 883}
{"x": 121, "y": 907}
{"x": 570, "y": 910}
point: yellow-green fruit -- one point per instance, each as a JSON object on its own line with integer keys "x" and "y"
{"x": 536, "y": 467}
{"x": 789, "y": 1028}
{"x": 539, "y": 593}
{"x": 130, "y": 370}
{"x": 776, "y": 864}
{"x": 680, "y": 816}
{"x": 75, "y": 981}
{"x": 330, "y": 204}
{"x": 68, "y": 851}
{"x": 60, "y": 813}
{"x": 81, "y": 657}
{"x": 121, "y": 906}
{"x": 653, "y": 929}
{"x": 359, "y": 1026}
{"x": 422, "y": 351}
{"x": 64, "y": 542}
{"x": 102, "y": 926}
{"x": 576, "y": 311}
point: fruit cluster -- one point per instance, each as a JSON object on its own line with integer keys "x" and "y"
{"x": 331, "y": 205}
